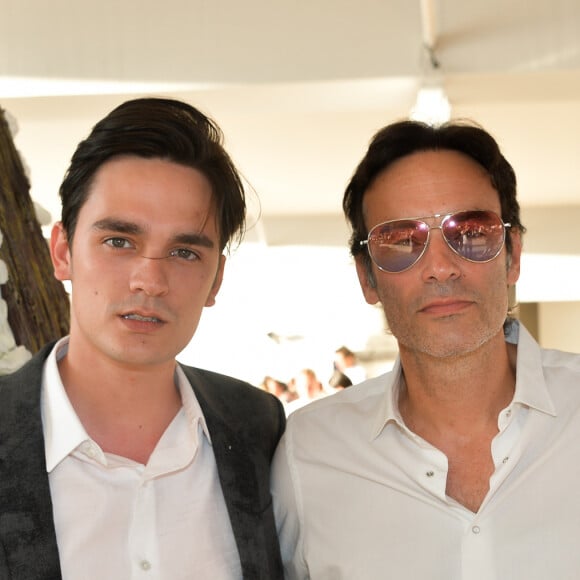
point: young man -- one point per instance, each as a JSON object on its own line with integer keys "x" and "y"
{"x": 115, "y": 461}
{"x": 458, "y": 464}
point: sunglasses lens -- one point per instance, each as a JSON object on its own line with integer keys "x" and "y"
{"x": 477, "y": 236}
{"x": 397, "y": 245}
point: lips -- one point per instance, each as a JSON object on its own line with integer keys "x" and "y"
{"x": 141, "y": 318}
{"x": 142, "y": 315}
{"x": 445, "y": 306}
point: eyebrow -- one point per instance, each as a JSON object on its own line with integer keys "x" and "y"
{"x": 126, "y": 227}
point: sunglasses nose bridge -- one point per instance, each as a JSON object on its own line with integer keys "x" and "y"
{"x": 439, "y": 227}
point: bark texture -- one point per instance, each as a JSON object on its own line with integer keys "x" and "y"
{"x": 38, "y": 305}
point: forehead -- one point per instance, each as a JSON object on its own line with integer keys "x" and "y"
{"x": 130, "y": 169}
{"x": 430, "y": 182}
{"x": 156, "y": 191}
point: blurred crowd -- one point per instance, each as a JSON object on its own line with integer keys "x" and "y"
{"x": 305, "y": 386}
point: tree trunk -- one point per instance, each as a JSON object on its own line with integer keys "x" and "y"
{"x": 38, "y": 305}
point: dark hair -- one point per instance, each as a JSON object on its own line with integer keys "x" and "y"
{"x": 344, "y": 351}
{"x": 158, "y": 128}
{"x": 406, "y": 137}
{"x": 339, "y": 380}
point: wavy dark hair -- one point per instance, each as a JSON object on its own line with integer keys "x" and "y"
{"x": 158, "y": 128}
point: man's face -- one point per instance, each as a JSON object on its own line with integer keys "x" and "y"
{"x": 144, "y": 261}
{"x": 444, "y": 305}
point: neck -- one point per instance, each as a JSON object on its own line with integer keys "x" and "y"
{"x": 458, "y": 394}
{"x": 125, "y": 410}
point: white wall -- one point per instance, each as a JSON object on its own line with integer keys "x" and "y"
{"x": 559, "y": 325}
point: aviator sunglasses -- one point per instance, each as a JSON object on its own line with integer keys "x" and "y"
{"x": 396, "y": 245}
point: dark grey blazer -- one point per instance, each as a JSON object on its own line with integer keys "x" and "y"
{"x": 245, "y": 425}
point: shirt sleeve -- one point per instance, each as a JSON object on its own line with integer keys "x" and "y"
{"x": 288, "y": 512}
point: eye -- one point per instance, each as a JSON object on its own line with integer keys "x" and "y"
{"x": 184, "y": 254}
{"x": 118, "y": 243}
{"x": 404, "y": 239}
{"x": 398, "y": 238}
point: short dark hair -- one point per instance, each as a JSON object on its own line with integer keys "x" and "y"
{"x": 158, "y": 128}
{"x": 407, "y": 137}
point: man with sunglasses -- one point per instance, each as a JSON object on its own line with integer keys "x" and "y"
{"x": 460, "y": 463}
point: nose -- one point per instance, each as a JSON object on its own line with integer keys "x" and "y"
{"x": 150, "y": 276}
{"x": 439, "y": 263}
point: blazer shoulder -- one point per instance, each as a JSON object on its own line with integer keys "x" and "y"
{"x": 223, "y": 387}
{"x": 236, "y": 401}
{"x": 26, "y": 380}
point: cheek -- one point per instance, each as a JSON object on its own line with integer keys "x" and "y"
{"x": 190, "y": 289}
{"x": 395, "y": 299}
{"x": 99, "y": 280}
{"x": 490, "y": 287}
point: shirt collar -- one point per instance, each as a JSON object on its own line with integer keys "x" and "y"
{"x": 388, "y": 410}
{"x": 189, "y": 401}
{"x": 531, "y": 388}
{"x": 63, "y": 430}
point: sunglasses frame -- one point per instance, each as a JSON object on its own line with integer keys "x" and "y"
{"x": 444, "y": 219}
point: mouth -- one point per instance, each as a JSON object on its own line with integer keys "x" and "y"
{"x": 445, "y": 307}
{"x": 141, "y": 317}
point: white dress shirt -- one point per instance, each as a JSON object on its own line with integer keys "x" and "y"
{"x": 116, "y": 519}
{"x": 358, "y": 496}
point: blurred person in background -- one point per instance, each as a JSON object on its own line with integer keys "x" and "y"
{"x": 345, "y": 361}
{"x": 278, "y": 388}
{"x": 307, "y": 388}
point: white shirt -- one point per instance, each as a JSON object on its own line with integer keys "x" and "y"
{"x": 358, "y": 496}
{"x": 116, "y": 519}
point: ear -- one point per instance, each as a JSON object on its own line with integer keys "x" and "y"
{"x": 219, "y": 276}
{"x": 513, "y": 272}
{"x": 367, "y": 285}
{"x": 60, "y": 253}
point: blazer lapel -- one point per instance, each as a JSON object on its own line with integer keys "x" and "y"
{"x": 27, "y": 533}
{"x": 243, "y": 454}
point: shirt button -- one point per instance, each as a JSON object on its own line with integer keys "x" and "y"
{"x": 476, "y": 529}
{"x": 145, "y": 565}
{"x": 430, "y": 474}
